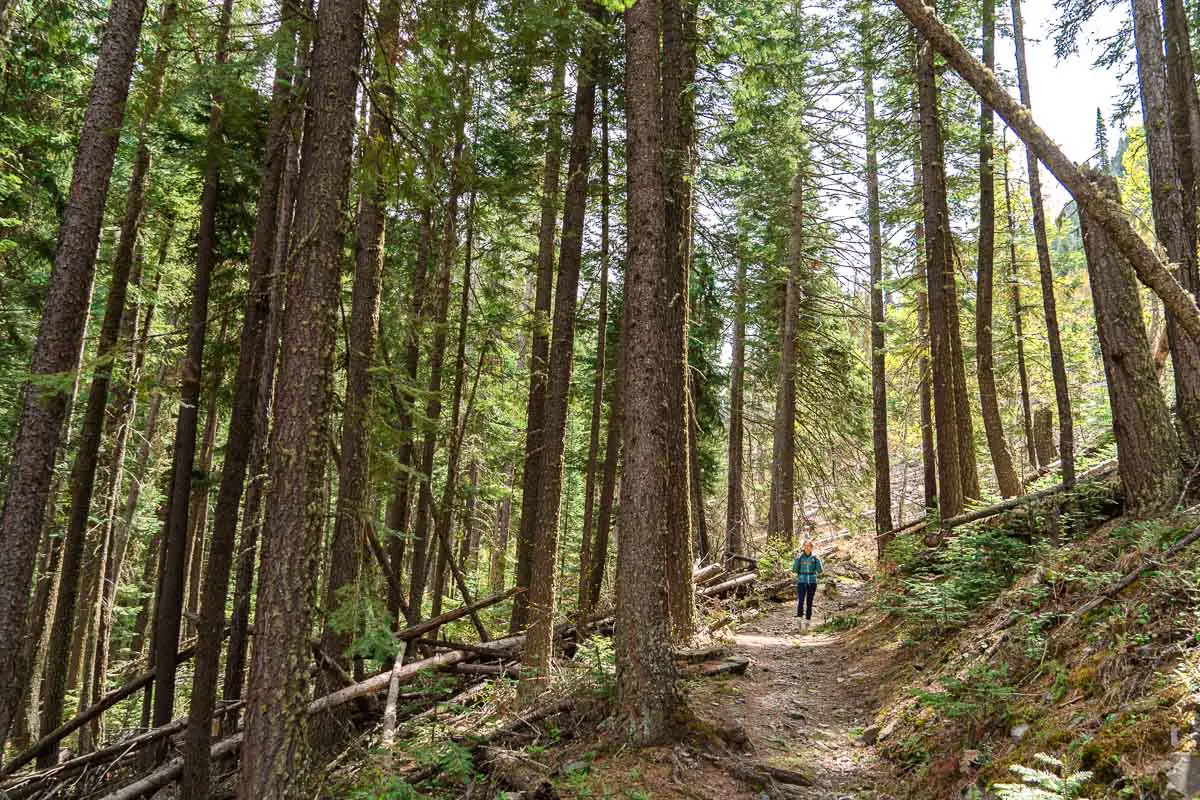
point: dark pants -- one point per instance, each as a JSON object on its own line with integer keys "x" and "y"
{"x": 805, "y": 592}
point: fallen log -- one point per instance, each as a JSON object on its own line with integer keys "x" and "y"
{"x": 1011, "y": 504}
{"x": 493, "y": 670}
{"x": 88, "y": 714}
{"x": 1114, "y": 589}
{"x": 729, "y": 585}
{"x": 1109, "y": 216}
{"x": 171, "y": 771}
{"x": 443, "y": 644}
{"x": 419, "y": 630}
{"x": 380, "y": 682}
{"x": 26, "y": 785}
{"x": 703, "y": 574}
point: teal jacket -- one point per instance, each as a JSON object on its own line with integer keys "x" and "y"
{"x": 807, "y": 569}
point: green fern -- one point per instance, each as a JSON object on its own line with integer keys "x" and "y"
{"x": 1053, "y": 782}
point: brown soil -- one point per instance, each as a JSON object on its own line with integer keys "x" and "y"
{"x": 800, "y": 707}
{"x": 805, "y": 700}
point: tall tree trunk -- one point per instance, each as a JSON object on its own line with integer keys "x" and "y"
{"x": 608, "y": 487}
{"x": 247, "y": 419}
{"x": 539, "y": 643}
{"x": 273, "y": 760}
{"x": 699, "y": 519}
{"x": 735, "y": 496}
{"x": 399, "y": 507}
{"x": 940, "y": 286}
{"x": 1002, "y": 463}
{"x": 117, "y": 529}
{"x": 647, "y": 695}
{"x": 30, "y": 669}
{"x": 198, "y": 511}
{"x": 457, "y": 436}
{"x": 1018, "y": 313}
{"x": 540, "y": 348}
{"x": 1147, "y": 451}
{"x": 252, "y": 512}
{"x": 1174, "y": 213}
{"x": 924, "y": 369}
{"x": 44, "y": 404}
{"x": 1062, "y": 397}
{"x": 678, "y": 75}
{"x": 879, "y": 416}
{"x": 1185, "y": 105}
{"x": 499, "y": 549}
{"x": 169, "y": 607}
{"x": 598, "y": 382}
{"x": 81, "y": 564}
{"x": 353, "y": 512}
{"x": 425, "y": 524}
{"x": 783, "y": 455}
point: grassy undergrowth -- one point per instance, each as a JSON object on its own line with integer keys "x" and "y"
{"x": 996, "y": 678}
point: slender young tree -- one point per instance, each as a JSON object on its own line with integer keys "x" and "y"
{"x": 735, "y": 496}
{"x": 539, "y": 359}
{"x": 608, "y": 488}
{"x": 57, "y": 351}
{"x": 924, "y": 370}
{"x": 1002, "y": 463}
{"x": 879, "y": 415}
{"x": 1062, "y": 397}
{"x": 273, "y": 762}
{"x": 539, "y": 642}
{"x": 783, "y": 455}
{"x": 941, "y": 289}
{"x": 1018, "y": 313}
{"x": 647, "y": 694}
{"x": 598, "y": 382}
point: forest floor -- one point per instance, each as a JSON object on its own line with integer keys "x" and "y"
{"x": 806, "y": 699}
{"x": 800, "y": 708}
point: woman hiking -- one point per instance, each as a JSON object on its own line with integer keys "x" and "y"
{"x": 808, "y": 570}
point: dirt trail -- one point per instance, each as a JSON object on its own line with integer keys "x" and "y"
{"x": 804, "y": 702}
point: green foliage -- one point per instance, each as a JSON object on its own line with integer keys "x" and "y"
{"x": 776, "y": 559}
{"x": 939, "y": 589}
{"x": 390, "y": 787}
{"x": 840, "y": 622}
{"x": 1051, "y": 781}
{"x": 600, "y": 665}
{"x": 980, "y": 696}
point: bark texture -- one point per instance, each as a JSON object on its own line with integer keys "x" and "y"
{"x": 1171, "y": 208}
{"x": 1147, "y": 451}
{"x": 941, "y": 289}
{"x": 273, "y": 761}
{"x": 539, "y": 358}
{"x": 57, "y": 351}
{"x": 879, "y": 416}
{"x": 539, "y": 643}
{"x": 647, "y": 695}
{"x": 244, "y": 421}
{"x": 1006, "y": 474}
